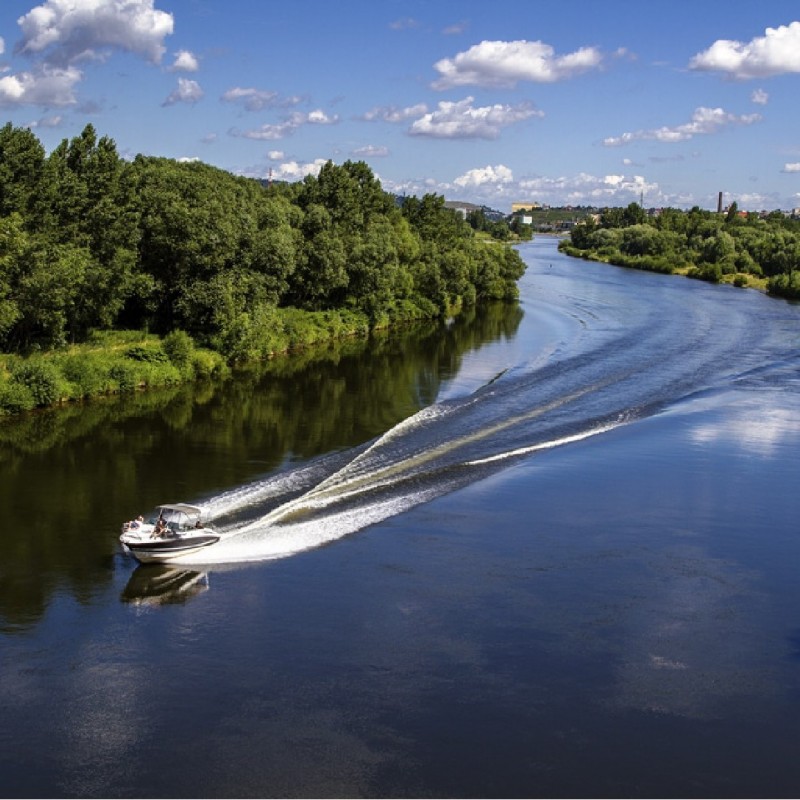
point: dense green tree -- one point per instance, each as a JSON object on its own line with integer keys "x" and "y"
{"x": 89, "y": 241}
{"x": 22, "y": 160}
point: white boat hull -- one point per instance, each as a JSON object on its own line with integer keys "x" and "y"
{"x": 165, "y": 550}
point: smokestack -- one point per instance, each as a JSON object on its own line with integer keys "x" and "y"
{"x": 719, "y": 203}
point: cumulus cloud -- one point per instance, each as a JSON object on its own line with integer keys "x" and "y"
{"x": 485, "y": 175}
{"x": 66, "y": 31}
{"x": 185, "y": 61}
{"x": 704, "y": 121}
{"x": 288, "y": 126}
{"x": 293, "y": 170}
{"x": 187, "y": 91}
{"x": 45, "y": 86}
{"x": 793, "y": 167}
{"x": 775, "y": 53}
{"x": 496, "y": 185}
{"x": 585, "y": 188}
{"x": 394, "y": 114}
{"x": 759, "y": 97}
{"x": 59, "y": 34}
{"x": 258, "y": 99}
{"x": 47, "y": 122}
{"x": 371, "y": 151}
{"x": 462, "y": 120}
{"x": 504, "y": 64}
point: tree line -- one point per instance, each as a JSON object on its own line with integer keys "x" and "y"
{"x": 744, "y": 249}
{"x": 92, "y": 242}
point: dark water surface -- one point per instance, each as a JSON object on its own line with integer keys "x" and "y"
{"x": 539, "y": 553}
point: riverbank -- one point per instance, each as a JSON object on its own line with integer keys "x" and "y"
{"x": 741, "y": 280}
{"x": 117, "y": 362}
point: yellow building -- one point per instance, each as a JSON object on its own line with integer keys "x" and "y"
{"x": 515, "y": 207}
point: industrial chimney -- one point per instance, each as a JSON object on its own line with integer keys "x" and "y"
{"x": 719, "y": 203}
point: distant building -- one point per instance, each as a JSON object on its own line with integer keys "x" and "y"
{"x": 517, "y": 207}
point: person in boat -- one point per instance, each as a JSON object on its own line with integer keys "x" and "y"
{"x": 161, "y": 528}
{"x": 137, "y": 523}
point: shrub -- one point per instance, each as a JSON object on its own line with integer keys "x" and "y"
{"x": 15, "y": 397}
{"x": 150, "y": 355}
{"x": 124, "y": 375}
{"x": 179, "y": 348}
{"x": 88, "y": 377}
{"x": 41, "y": 379}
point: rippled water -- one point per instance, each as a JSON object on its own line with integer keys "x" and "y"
{"x": 559, "y": 560}
{"x": 625, "y": 346}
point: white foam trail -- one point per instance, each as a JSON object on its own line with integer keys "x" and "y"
{"x": 264, "y": 542}
{"x": 269, "y": 538}
{"x": 262, "y": 490}
{"x": 521, "y": 451}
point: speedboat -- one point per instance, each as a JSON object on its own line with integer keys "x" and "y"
{"x": 171, "y": 531}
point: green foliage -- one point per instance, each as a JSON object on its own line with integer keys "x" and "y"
{"x": 91, "y": 244}
{"x": 41, "y": 379}
{"x": 148, "y": 354}
{"x": 786, "y": 285}
{"x": 15, "y": 398}
{"x": 706, "y": 246}
{"x": 179, "y": 348}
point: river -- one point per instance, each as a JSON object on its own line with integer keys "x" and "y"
{"x": 538, "y": 551}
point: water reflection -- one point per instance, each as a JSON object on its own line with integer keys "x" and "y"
{"x": 159, "y": 584}
{"x": 69, "y": 477}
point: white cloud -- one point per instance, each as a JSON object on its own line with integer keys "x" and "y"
{"x": 44, "y": 87}
{"x": 498, "y": 63}
{"x": 485, "y": 175}
{"x": 395, "y": 114}
{"x": 2, "y": 46}
{"x": 65, "y": 31}
{"x": 47, "y": 122}
{"x": 462, "y": 120}
{"x": 793, "y": 167}
{"x": 251, "y": 99}
{"x": 584, "y": 188}
{"x": 187, "y": 91}
{"x": 775, "y": 53}
{"x": 276, "y": 155}
{"x": 288, "y": 126}
{"x": 371, "y": 151}
{"x": 760, "y": 97}
{"x": 496, "y": 187}
{"x": 259, "y": 99}
{"x": 293, "y": 170}
{"x": 704, "y": 121}
{"x": 185, "y": 61}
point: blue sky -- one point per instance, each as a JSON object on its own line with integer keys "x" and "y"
{"x": 583, "y": 103}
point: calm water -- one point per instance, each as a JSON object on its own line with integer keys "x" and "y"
{"x": 543, "y": 552}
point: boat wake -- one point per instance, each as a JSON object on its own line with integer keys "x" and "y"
{"x": 620, "y": 357}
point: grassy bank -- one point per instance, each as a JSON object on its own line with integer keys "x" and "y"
{"x": 115, "y": 362}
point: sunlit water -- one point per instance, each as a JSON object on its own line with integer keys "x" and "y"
{"x": 553, "y": 556}
{"x": 614, "y": 350}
